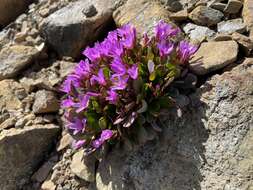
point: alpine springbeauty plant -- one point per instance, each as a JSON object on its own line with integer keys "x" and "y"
{"x": 121, "y": 87}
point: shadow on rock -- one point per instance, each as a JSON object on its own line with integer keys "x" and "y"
{"x": 171, "y": 162}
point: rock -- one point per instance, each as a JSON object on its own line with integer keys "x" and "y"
{"x": 83, "y": 166}
{"x": 48, "y": 185}
{"x": 8, "y": 97}
{"x": 59, "y": 27}
{"x": 22, "y": 151}
{"x": 206, "y": 16}
{"x": 8, "y": 123}
{"x": 179, "y": 16}
{"x": 247, "y": 14}
{"x": 172, "y": 5}
{"x": 45, "y": 102}
{"x": 10, "y": 9}
{"x": 43, "y": 172}
{"x": 198, "y": 33}
{"x": 231, "y": 26}
{"x": 245, "y": 42}
{"x": 143, "y": 14}
{"x": 212, "y": 56}
{"x": 25, "y": 119}
{"x": 65, "y": 141}
{"x": 15, "y": 58}
{"x": 233, "y": 6}
{"x": 222, "y": 37}
{"x": 218, "y": 6}
{"x": 210, "y": 147}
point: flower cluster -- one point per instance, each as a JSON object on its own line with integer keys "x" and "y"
{"x": 121, "y": 85}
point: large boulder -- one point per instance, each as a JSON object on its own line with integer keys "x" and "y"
{"x": 75, "y": 26}
{"x": 10, "y": 9}
{"x": 210, "y": 147}
{"x": 21, "y": 150}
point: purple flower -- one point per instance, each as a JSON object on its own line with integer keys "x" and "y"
{"x": 92, "y": 53}
{"x": 83, "y": 68}
{"x": 67, "y": 103}
{"x": 94, "y": 94}
{"x": 100, "y": 79}
{"x": 112, "y": 96}
{"x": 165, "y": 48}
{"x": 77, "y": 125}
{"x": 186, "y": 50}
{"x": 117, "y": 66}
{"x": 128, "y": 36}
{"x": 70, "y": 82}
{"x": 83, "y": 104}
{"x": 119, "y": 82}
{"x": 78, "y": 144}
{"x": 133, "y": 72}
{"x": 106, "y": 135}
{"x": 97, "y": 143}
{"x": 164, "y": 30}
{"x": 117, "y": 49}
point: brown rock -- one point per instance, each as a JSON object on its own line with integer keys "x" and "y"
{"x": 15, "y": 58}
{"x": 247, "y": 13}
{"x": 45, "y": 102}
{"x": 21, "y": 152}
{"x": 48, "y": 185}
{"x": 8, "y": 97}
{"x": 245, "y": 42}
{"x": 233, "y": 6}
{"x": 222, "y": 37}
{"x": 206, "y": 16}
{"x": 180, "y": 15}
{"x": 10, "y": 9}
{"x": 65, "y": 141}
{"x": 8, "y": 123}
{"x": 143, "y": 14}
{"x": 212, "y": 56}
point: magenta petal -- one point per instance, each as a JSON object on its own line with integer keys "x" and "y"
{"x": 83, "y": 104}
{"x": 78, "y": 144}
{"x": 97, "y": 143}
{"x": 133, "y": 72}
{"x": 106, "y": 135}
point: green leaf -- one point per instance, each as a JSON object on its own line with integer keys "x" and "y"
{"x": 150, "y": 55}
{"x": 102, "y": 123}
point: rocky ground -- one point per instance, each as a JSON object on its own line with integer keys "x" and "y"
{"x": 209, "y": 148}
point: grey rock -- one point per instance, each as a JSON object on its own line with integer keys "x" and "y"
{"x": 199, "y": 33}
{"x": 206, "y": 16}
{"x": 21, "y": 152}
{"x": 43, "y": 172}
{"x": 231, "y": 26}
{"x": 173, "y": 5}
{"x": 83, "y": 166}
{"x": 10, "y": 9}
{"x": 233, "y": 6}
{"x": 45, "y": 102}
{"x": 209, "y": 148}
{"x": 15, "y": 58}
{"x": 212, "y": 56}
{"x": 71, "y": 28}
